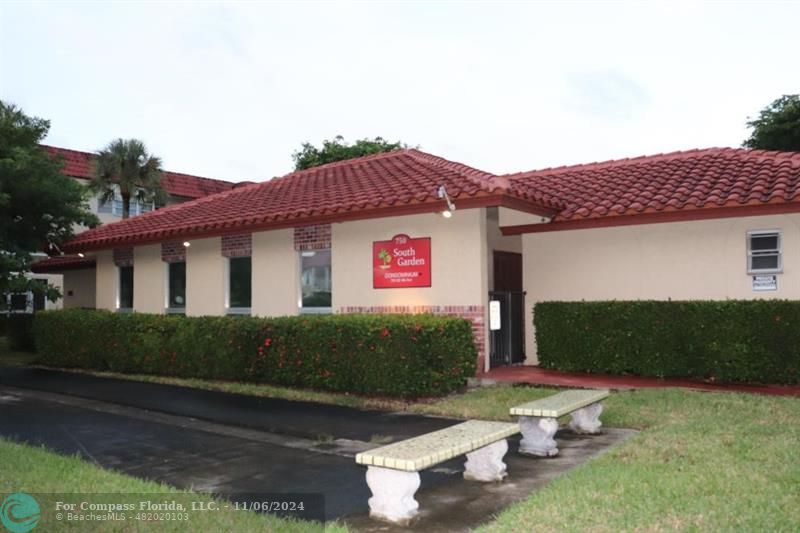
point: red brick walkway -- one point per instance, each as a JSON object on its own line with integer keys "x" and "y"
{"x": 540, "y": 376}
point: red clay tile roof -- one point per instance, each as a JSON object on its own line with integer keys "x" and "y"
{"x": 403, "y": 181}
{"x": 406, "y": 181}
{"x": 60, "y": 263}
{"x": 79, "y": 165}
{"x": 695, "y": 179}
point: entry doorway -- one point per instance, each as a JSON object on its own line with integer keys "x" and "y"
{"x": 507, "y": 344}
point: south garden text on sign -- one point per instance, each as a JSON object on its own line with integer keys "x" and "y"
{"x": 401, "y": 262}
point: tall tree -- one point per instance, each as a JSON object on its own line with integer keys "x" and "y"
{"x": 777, "y": 126}
{"x": 338, "y": 150}
{"x": 39, "y": 206}
{"x": 126, "y": 168}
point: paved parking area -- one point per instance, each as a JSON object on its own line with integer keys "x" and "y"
{"x": 188, "y": 453}
{"x": 233, "y": 444}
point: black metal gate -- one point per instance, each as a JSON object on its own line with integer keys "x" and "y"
{"x": 507, "y": 344}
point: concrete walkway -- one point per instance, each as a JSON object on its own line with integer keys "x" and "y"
{"x": 540, "y": 376}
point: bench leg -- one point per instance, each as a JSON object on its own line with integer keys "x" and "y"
{"x": 587, "y": 420}
{"x": 537, "y": 436}
{"x": 486, "y": 464}
{"x": 392, "y": 494}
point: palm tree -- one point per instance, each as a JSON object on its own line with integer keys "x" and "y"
{"x": 126, "y": 167}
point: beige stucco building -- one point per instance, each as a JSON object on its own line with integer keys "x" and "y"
{"x": 370, "y": 236}
{"x": 78, "y": 287}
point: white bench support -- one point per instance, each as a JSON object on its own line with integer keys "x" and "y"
{"x": 587, "y": 420}
{"x": 392, "y": 494}
{"x": 537, "y": 436}
{"x": 486, "y": 464}
{"x": 393, "y": 470}
{"x": 538, "y": 420}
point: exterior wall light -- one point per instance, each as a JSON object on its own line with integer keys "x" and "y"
{"x": 187, "y": 244}
{"x": 80, "y": 254}
{"x": 442, "y": 194}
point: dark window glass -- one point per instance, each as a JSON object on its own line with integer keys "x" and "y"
{"x": 177, "y": 285}
{"x": 19, "y": 302}
{"x": 764, "y": 242}
{"x": 239, "y": 282}
{"x": 126, "y": 287}
{"x": 765, "y": 262}
{"x": 38, "y": 301}
{"x": 315, "y": 278}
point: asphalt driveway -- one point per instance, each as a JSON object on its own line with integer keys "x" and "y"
{"x": 301, "y": 419}
{"x": 207, "y": 441}
{"x": 232, "y": 445}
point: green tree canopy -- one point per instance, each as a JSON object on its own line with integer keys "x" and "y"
{"x": 338, "y": 150}
{"x": 126, "y": 168}
{"x": 39, "y": 206}
{"x": 777, "y": 126}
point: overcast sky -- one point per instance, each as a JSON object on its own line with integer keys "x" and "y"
{"x": 230, "y": 90}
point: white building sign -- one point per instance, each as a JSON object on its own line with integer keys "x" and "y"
{"x": 494, "y": 315}
{"x": 765, "y": 283}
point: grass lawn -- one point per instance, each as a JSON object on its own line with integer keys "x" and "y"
{"x": 703, "y": 461}
{"x": 35, "y": 470}
{"x": 11, "y": 357}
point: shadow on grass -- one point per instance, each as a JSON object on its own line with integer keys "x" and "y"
{"x": 9, "y": 357}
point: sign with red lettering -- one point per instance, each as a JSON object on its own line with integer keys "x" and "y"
{"x": 401, "y": 262}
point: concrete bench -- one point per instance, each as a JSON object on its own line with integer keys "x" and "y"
{"x": 393, "y": 470}
{"x": 538, "y": 420}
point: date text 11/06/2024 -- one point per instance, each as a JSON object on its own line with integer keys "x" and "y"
{"x": 266, "y": 506}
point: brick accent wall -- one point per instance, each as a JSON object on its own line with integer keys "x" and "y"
{"x": 312, "y": 237}
{"x": 473, "y": 313}
{"x": 123, "y": 256}
{"x": 240, "y": 245}
{"x": 173, "y": 252}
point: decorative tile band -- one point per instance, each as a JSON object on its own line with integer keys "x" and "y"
{"x": 123, "y": 256}
{"x": 312, "y": 237}
{"x": 239, "y": 245}
{"x": 473, "y": 313}
{"x": 173, "y": 252}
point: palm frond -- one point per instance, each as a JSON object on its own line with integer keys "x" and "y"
{"x": 125, "y": 165}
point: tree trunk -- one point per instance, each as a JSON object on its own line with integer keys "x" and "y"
{"x": 126, "y": 205}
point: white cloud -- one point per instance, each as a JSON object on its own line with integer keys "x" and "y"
{"x": 231, "y": 90}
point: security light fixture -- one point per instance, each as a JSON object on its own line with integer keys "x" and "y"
{"x": 53, "y": 246}
{"x": 80, "y": 254}
{"x": 442, "y": 193}
{"x": 187, "y": 244}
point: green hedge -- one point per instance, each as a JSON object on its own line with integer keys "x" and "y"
{"x": 734, "y": 340}
{"x": 19, "y": 330}
{"x": 397, "y": 355}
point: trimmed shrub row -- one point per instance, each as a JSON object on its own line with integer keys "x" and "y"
{"x": 734, "y": 340}
{"x": 396, "y": 355}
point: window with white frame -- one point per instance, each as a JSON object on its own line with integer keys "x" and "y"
{"x": 239, "y": 285}
{"x": 315, "y": 281}
{"x": 764, "y": 252}
{"x": 125, "y": 288}
{"x": 114, "y": 207}
{"x": 176, "y": 287}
